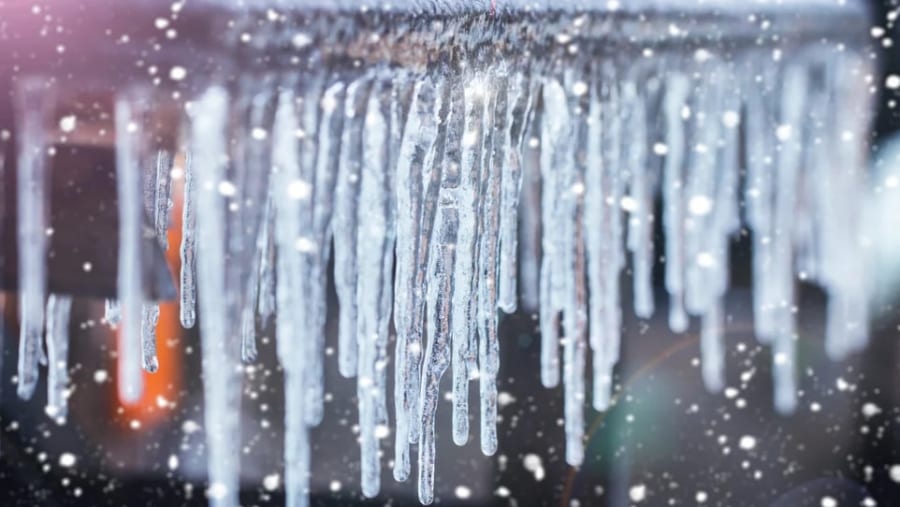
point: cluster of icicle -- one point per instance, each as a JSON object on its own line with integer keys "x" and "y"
{"x": 415, "y": 179}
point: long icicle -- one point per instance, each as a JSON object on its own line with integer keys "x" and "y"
{"x": 575, "y": 299}
{"x": 325, "y": 178}
{"x": 793, "y": 114}
{"x": 488, "y": 250}
{"x": 518, "y": 115}
{"x": 402, "y": 86}
{"x": 156, "y": 202}
{"x": 129, "y": 135}
{"x": 257, "y": 154}
{"x": 286, "y": 169}
{"x": 595, "y": 211}
{"x": 431, "y": 170}
{"x": 439, "y": 297}
{"x": 673, "y": 217}
{"x": 373, "y": 291}
{"x": 640, "y": 224}
{"x": 553, "y": 131}
{"x": 759, "y": 190}
{"x": 306, "y": 246}
{"x": 327, "y": 162}
{"x": 32, "y": 176}
{"x": 221, "y": 383}
{"x": 464, "y": 262}
{"x": 344, "y": 223}
{"x": 440, "y": 321}
{"x": 419, "y": 133}
{"x": 188, "y": 292}
{"x": 613, "y": 181}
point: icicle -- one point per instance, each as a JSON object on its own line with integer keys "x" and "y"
{"x": 266, "y": 272}
{"x": 573, "y": 257}
{"x": 221, "y": 383}
{"x": 604, "y": 231}
{"x": 188, "y": 293}
{"x": 375, "y": 243}
{"x": 518, "y": 113}
{"x": 701, "y": 175}
{"x": 112, "y": 312}
{"x": 300, "y": 188}
{"x": 427, "y": 170}
{"x": 344, "y": 223}
{"x": 431, "y": 170}
{"x": 595, "y": 236}
{"x": 326, "y": 171}
{"x": 296, "y": 443}
{"x": 728, "y": 197}
{"x": 248, "y": 330}
{"x": 842, "y": 188}
{"x": 782, "y": 286}
{"x": 712, "y": 349}
{"x": 261, "y": 286}
{"x": 58, "y": 309}
{"x": 491, "y": 184}
{"x": 156, "y": 204}
{"x": 253, "y": 156}
{"x": 759, "y": 191}
{"x": 440, "y": 322}
{"x": 553, "y": 132}
{"x": 33, "y": 173}
{"x": 163, "y": 198}
{"x": 467, "y": 132}
{"x": 149, "y": 320}
{"x": 400, "y": 100}
{"x": 441, "y": 263}
{"x": 640, "y": 224}
{"x": 613, "y": 181}
{"x": 129, "y": 135}
{"x": 725, "y": 217}
{"x": 675, "y": 101}
{"x": 418, "y": 137}
{"x": 530, "y": 210}
{"x": 288, "y": 293}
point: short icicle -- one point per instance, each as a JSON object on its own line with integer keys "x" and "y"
{"x": 58, "y": 310}
{"x": 112, "y": 313}
{"x": 188, "y": 292}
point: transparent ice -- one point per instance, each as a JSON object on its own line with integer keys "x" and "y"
{"x": 444, "y": 191}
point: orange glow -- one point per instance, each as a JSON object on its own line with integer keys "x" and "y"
{"x": 162, "y": 389}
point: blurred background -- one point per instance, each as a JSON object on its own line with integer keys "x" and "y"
{"x": 666, "y": 441}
